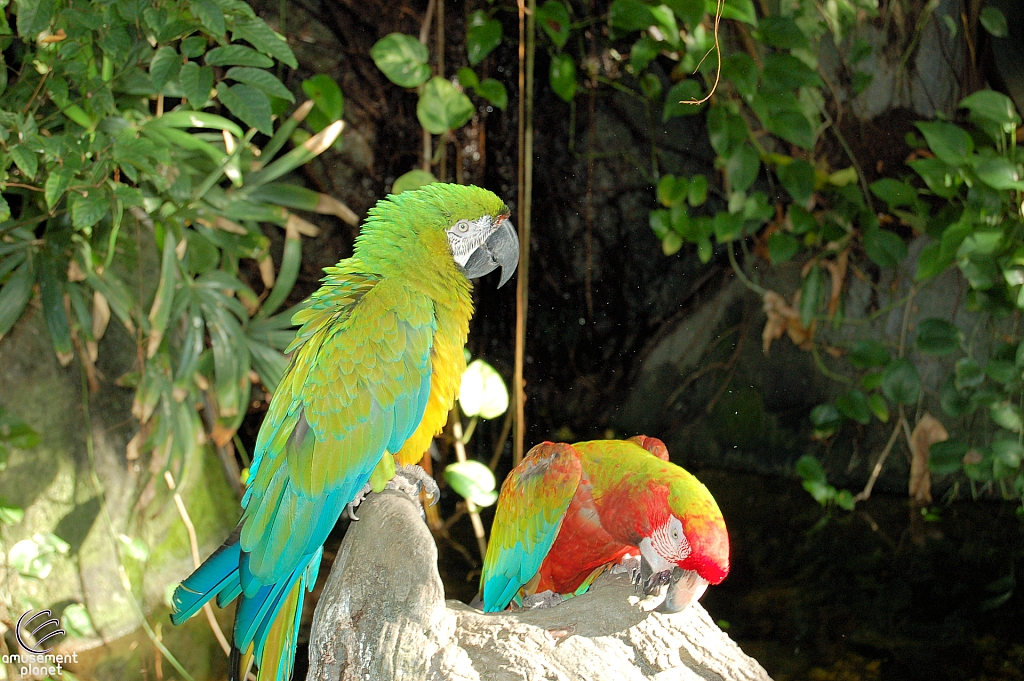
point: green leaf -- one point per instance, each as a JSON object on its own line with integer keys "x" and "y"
{"x": 414, "y": 179}
{"x": 1006, "y": 415}
{"x": 237, "y": 55}
{"x": 698, "y": 192}
{"x": 808, "y": 467}
{"x": 798, "y": 179}
{"x": 994, "y": 21}
{"x": 672, "y": 190}
{"x": 726, "y": 130}
{"x": 10, "y": 515}
{"x": 442, "y": 108}
{"x": 949, "y": 142}
{"x": 678, "y": 95}
{"x": 938, "y": 337}
{"x": 26, "y": 160}
{"x": 742, "y": 168}
{"x": 56, "y": 185}
{"x": 52, "y": 282}
{"x": 661, "y": 223}
{"x": 34, "y": 16}
{"x": 196, "y": 82}
{"x": 666, "y": 22}
{"x": 810, "y": 295}
{"x": 1008, "y": 452}
{"x": 247, "y": 104}
{"x": 727, "y": 227}
{"x": 893, "y": 192}
{"x": 264, "y": 81}
{"x": 482, "y": 36}
{"x": 879, "y": 407}
{"x": 482, "y": 391}
{"x": 553, "y": 18}
{"x": 946, "y": 457}
{"x": 992, "y": 106}
{"x": 741, "y": 70}
{"x": 14, "y": 296}
{"x": 5, "y": 209}
{"x": 782, "y": 246}
{"x": 650, "y": 86}
{"x": 792, "y": 127}
{"x": 781, "y": 32}
{"x": 473, "y": 481}
{"x": 210, "y": 15}
{"x": 86, "y": 211}
{"x": 643, "y": 52}
{"x": 740, "y": 10}
{"x": 999, "y": 173}
{"x": 329, "y": 103}
{"x": 690, "y": 12}
{"x": 630, "y": 15}
{"x": 867, "y": 354}
{"x": 494, "y": 92}
{"x": 968, "y": 374}
{"x": 671, "y": 243}
{"x": 263, "y": 38}
{"x": 932, "y": 261}
{"x": 196, "y": 119}
{"x": 193, "y": 46}
{"x": 854, "y": 406}
{"x": 885, "y": 248}
{"x": 900, "y": 382}
{"x": 783, "y": 71}
{"x": 75, "y": 621}
{"x": 401, "y": 58}
{"x": 164, "y": 66}
{"x": 562, "y": 76}
{"x": 943, "y": 179}
{"x": 467, "y": 77}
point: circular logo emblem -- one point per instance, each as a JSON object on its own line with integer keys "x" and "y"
{"x": 35, "y": 626}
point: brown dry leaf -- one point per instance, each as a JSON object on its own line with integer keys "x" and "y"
{"x": 782, "y": 318}
{"x": 222, "y": 435}
{"x": 75, "y": 272}
{"x": 303, "y": 227}
{"x": 131, "y": 450}
{"x": 328, "y": 205}
{"x": 927, "y": 432}
{"x": 100, "y": 315}
{"x": 837, "y": 268}
{"x": 267, "y": 273}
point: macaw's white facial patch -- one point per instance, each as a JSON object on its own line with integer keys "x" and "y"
{"x": 465, "y": 236}
{"x": 669, "y": 541}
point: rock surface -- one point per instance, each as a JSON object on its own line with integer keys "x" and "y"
{"x": 382, "y": 615}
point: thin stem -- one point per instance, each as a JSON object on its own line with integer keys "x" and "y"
{"x": 194, "y": 544}
{"x": 866, "y": 492}
{"x": 527, "y": 48}
{"x": 759, "y": 290}
{"x": 460, "y": 454}
{"x": 100, "y": 495}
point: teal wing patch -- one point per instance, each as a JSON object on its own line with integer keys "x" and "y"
{"x": 530, "y": 510}
{"x": 357, "y": 385}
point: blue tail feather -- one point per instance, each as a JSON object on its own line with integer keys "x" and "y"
{"x": 208, "y": 580}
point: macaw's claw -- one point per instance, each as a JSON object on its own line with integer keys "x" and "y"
{"x": 350, "y": 509}
{"x": 544, "y": 599}
{"x": 417, "y": 479}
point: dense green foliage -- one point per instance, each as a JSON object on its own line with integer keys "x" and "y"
{"x": 115, "y": 164}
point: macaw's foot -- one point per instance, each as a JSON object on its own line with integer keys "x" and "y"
{"x": 411, "y": 479}
{"x": 629, "y": 564}
{"x": 544, "y": 599}
{"x": 352, "y": 505}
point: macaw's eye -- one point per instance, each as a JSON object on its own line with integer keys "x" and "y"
{"x": 462, "y": 226}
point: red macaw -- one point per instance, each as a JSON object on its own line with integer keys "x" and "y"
{"x": 567, "y": 512}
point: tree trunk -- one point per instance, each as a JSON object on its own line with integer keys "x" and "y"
{"x": 383, "y": 616}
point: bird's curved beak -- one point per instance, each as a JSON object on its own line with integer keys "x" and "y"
{"x": 684, "y": 588}
{"x": 499, "y": 249}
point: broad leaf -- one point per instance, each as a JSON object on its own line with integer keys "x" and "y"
{"x": 402, "y": 58}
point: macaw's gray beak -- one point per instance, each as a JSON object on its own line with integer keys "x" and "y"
{"x": 684, "y": 587}
{"x": 499, "y": 249}
{"x": 651, "y": 581}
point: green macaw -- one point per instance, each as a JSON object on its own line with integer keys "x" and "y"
{"x": 567, "y": 512}
{"x": 374, "y": 371}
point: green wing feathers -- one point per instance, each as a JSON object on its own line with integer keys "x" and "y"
{"x": 530, "y": 510}
{"x": 356, "y": 386}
